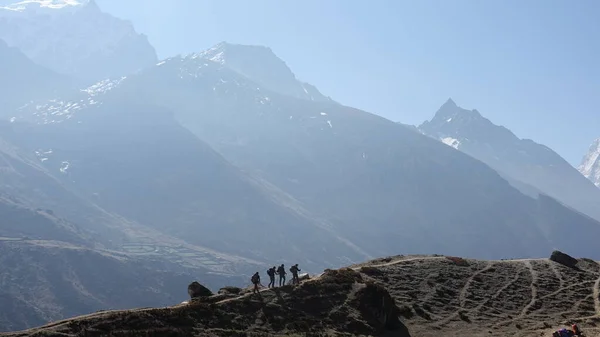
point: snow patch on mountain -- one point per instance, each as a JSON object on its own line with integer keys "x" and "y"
{"x": 36, "y": 5}
{"x": 64, "y": 167}
{"x": 453, "y": 142}
{"x": 590, "y": 165}
{"x": 103, "y": 86}
{"x": 60, "y": 110}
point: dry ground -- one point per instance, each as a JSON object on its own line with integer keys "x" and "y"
{"x": 436, "y": 296}
{"x": 490, "y": 298}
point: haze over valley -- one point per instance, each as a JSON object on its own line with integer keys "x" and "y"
{"x": 125, "y": 175}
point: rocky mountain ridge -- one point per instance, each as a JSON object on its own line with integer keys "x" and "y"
{"x": 306, "y": 154}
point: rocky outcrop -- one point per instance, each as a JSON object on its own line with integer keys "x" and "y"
{"x": 564, "y": 259}
{"x": 377, "y": 306}
{"x": 196, "y": 290}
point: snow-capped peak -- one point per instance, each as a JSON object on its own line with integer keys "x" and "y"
{"x": 92, "y": 44}
{"x": 35, "y": 5}
{"x": 590, "y": 165}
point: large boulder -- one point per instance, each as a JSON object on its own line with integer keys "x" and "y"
{"x": 564, "y": 259}
{"x": 196, "y": 290}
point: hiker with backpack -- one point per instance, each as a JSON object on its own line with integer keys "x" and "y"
{"x": 281, "y": 272}
{"x": 271, "y": 273}
{"x": 575, "y": 331}
{"x": 294, "y": 269}
{"x": 256, "y": 281}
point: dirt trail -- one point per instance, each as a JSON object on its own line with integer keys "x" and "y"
{"x": 534, "y": 291}
{"x": 596, "y": 293}
{"x": 462, "y": 298}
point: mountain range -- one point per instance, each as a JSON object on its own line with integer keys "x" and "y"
{"x": 531, "y": 167}
{"x": 333, "y": 166}
{"x": 216, "y": 164}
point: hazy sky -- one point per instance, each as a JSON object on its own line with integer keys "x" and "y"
{"x": 529, "y": 65}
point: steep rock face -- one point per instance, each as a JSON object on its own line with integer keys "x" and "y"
{"x": 75, "y": 38}
{"x": 262, "y": 66}
{"x": 590, "y": 165}
{"x": 529, "y": 166}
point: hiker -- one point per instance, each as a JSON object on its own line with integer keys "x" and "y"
{"x": 271, "y": 273}
{"x": 281, "y": 272}
{"x": 576, "y": 330}
{"x": 294, "y": 269}
{"x": 256, "y": 281}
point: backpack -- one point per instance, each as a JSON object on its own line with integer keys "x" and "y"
{"x": 254, "y": 278}
{"x": 564, "y": 333}
{"x": 271, "y": 272}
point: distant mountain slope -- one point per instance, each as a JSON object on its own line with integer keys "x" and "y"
{"x": 590, "y": 165}
{"x": 51, "y": 268}
{"x": 135, "y": 160}
{"x": 75, "y": 38}
{"x": 19, "y": 222}
{"x": 22, "y": 80}
{"x": 42, "y": 281}
{"x": 520, "y": 159}
{"x": 377, "y": 185}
